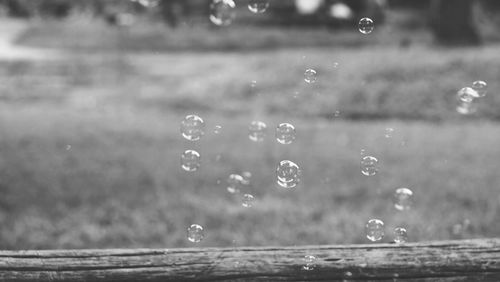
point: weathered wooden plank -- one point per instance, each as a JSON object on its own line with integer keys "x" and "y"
{"x": 447, "y": 261}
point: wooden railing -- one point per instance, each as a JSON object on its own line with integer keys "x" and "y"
{"x": 467, "y": 260}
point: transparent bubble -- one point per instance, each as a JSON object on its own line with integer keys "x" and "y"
{"x": 222, "y": 12}
{"x": 465, "y": 108}
{"x": 481, "y": 87}
{"x": 309, "y": 262}
{"x": 217, "y": 129}
{"x": 369, "y": 165}
{"x": 467, "y": 94}
{"x": 257, "y": 131}
{"x": 190, "y": 160}
{"x": 403, "y": 199}
{"x": 148, "y": 3}
{"x": 285, "y": 133}
{"x": 258, "y": 6}
{"x": 310, "y": 76}
{"x": 288, "y": 174}
{"x": 247, "y": 200}
{"x": 366, "y": 25}
{"x": 400, "y": 235}
{"x": 246, "y": 177}
{"x": 389, "y": 131}
{"x": 195, "y": 233}
{"x": 192, "y": 127}
{"x": 234, "y": 183}
{"x": 375, "y": 230}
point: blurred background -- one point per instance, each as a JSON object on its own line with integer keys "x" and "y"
{"x": 92, "y": 95}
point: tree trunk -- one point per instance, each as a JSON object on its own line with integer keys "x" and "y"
{"x": 453, "y": 22}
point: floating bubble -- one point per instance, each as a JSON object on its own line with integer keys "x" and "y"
{"x": 258, "y": 6}
{"x": 375, "y": 230}
{"x": 217, "y": 129}
{"x": 466, "y": 108}
{"x": 366, "y": 25}
{"x": 288, "y": 174}
{"x": 148, "y": 3}
{"x": 234, "y": 183}
{"x": 369, "y": 165}
{"x": 400, "y": 235}
{"x": 389, "y": 131}
{"x": 222, "y": 12}
{"x": 403, "y": 199}
{"x": 257, "y": 131}
{"x": 309, "y": 262}
{"x": 195, "y": 233}
{"x": 480, "y": 87}
{"x": 247, "y": 200}
{"x": 285, "y": 133}
{"x": 246, "y": 177}
{"x": 467, "y": 95}
{"x": 310, "y": 76}
{"x": 190, "y": 160}
{"x": 192, "y": 127}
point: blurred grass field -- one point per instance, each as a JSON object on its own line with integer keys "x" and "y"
{"x": 90, "y": 143}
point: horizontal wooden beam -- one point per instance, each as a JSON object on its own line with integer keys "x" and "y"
{"x": 465, "y": 260}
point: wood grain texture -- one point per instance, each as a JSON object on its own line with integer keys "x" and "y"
{"x": 467, "y": 260}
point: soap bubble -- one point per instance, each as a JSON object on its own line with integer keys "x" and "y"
{"x": 309, "y": 262}
{"x": 480, "y": 87}
{"x": 258, "y": 6}
{"x": 195, "y": 233}
{"x": 310, "y": 76}
{"x": 192, "y": 127}
{"x": 257, "y": 131}
{"x": 403, "y": 199}
{"x": 234, "y": 183}
{"x": 467, "y": 94}
{"x": 400, "y": 235}
{"x": 288, "y": 174}
{"x": 366, "y": 25}
{"x": 369, "y": 165}
{"x": 190, "y": 160}
{"x": 374, "y": 230}
{"x": 247, "y": 200}
{"x": 466, "y": 108}
{"x": 222, "y": 12}
{"x": 285, "y": 133}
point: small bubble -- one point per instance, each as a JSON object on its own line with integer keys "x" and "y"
{"x": 258, "y": 6}
{"x": 234, "y": 183}
{"x": 369, "y": 165}
{"x": 465, "y": 108}
{"x": 374, "y": 230}
{"x": 467, "y": 94}
{"x": 190, "y": 160}
{"x": 257, "y": 131}
{"x": 403, "y": 199}
{"x": 195, "y": 233}
{"x": 288, "y": 174}
{"x": 366, "y": 25}
{"x": 148, "y": 3}
{"x": 217, "y": 129}
{"x": 335, "y": 65}
{"x": 336, "y": 113}
{"x": 218, "y": 157}
{"x": 218, "y": 182}
{"x": 68, "y": 147}
{"x": 347, "y": 274}
{"x": 480, "y": 87}
{"x": 400, "y": 235}
{"x": 246, "y": 177}
{"x": 253, "y": 83}
{"x": 309, "y": 262}
{"x": 362, "y": 152}
{"x": 192, "y": 127}
{"x": 310, "y": 76}
{"x": 389, "y": 131}
{"x": 222, "y": 12}
{"x": 285, "y": 133}
{"x": 247, "y": 200}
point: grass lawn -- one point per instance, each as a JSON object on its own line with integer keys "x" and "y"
{"x": 90, "y": 146}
